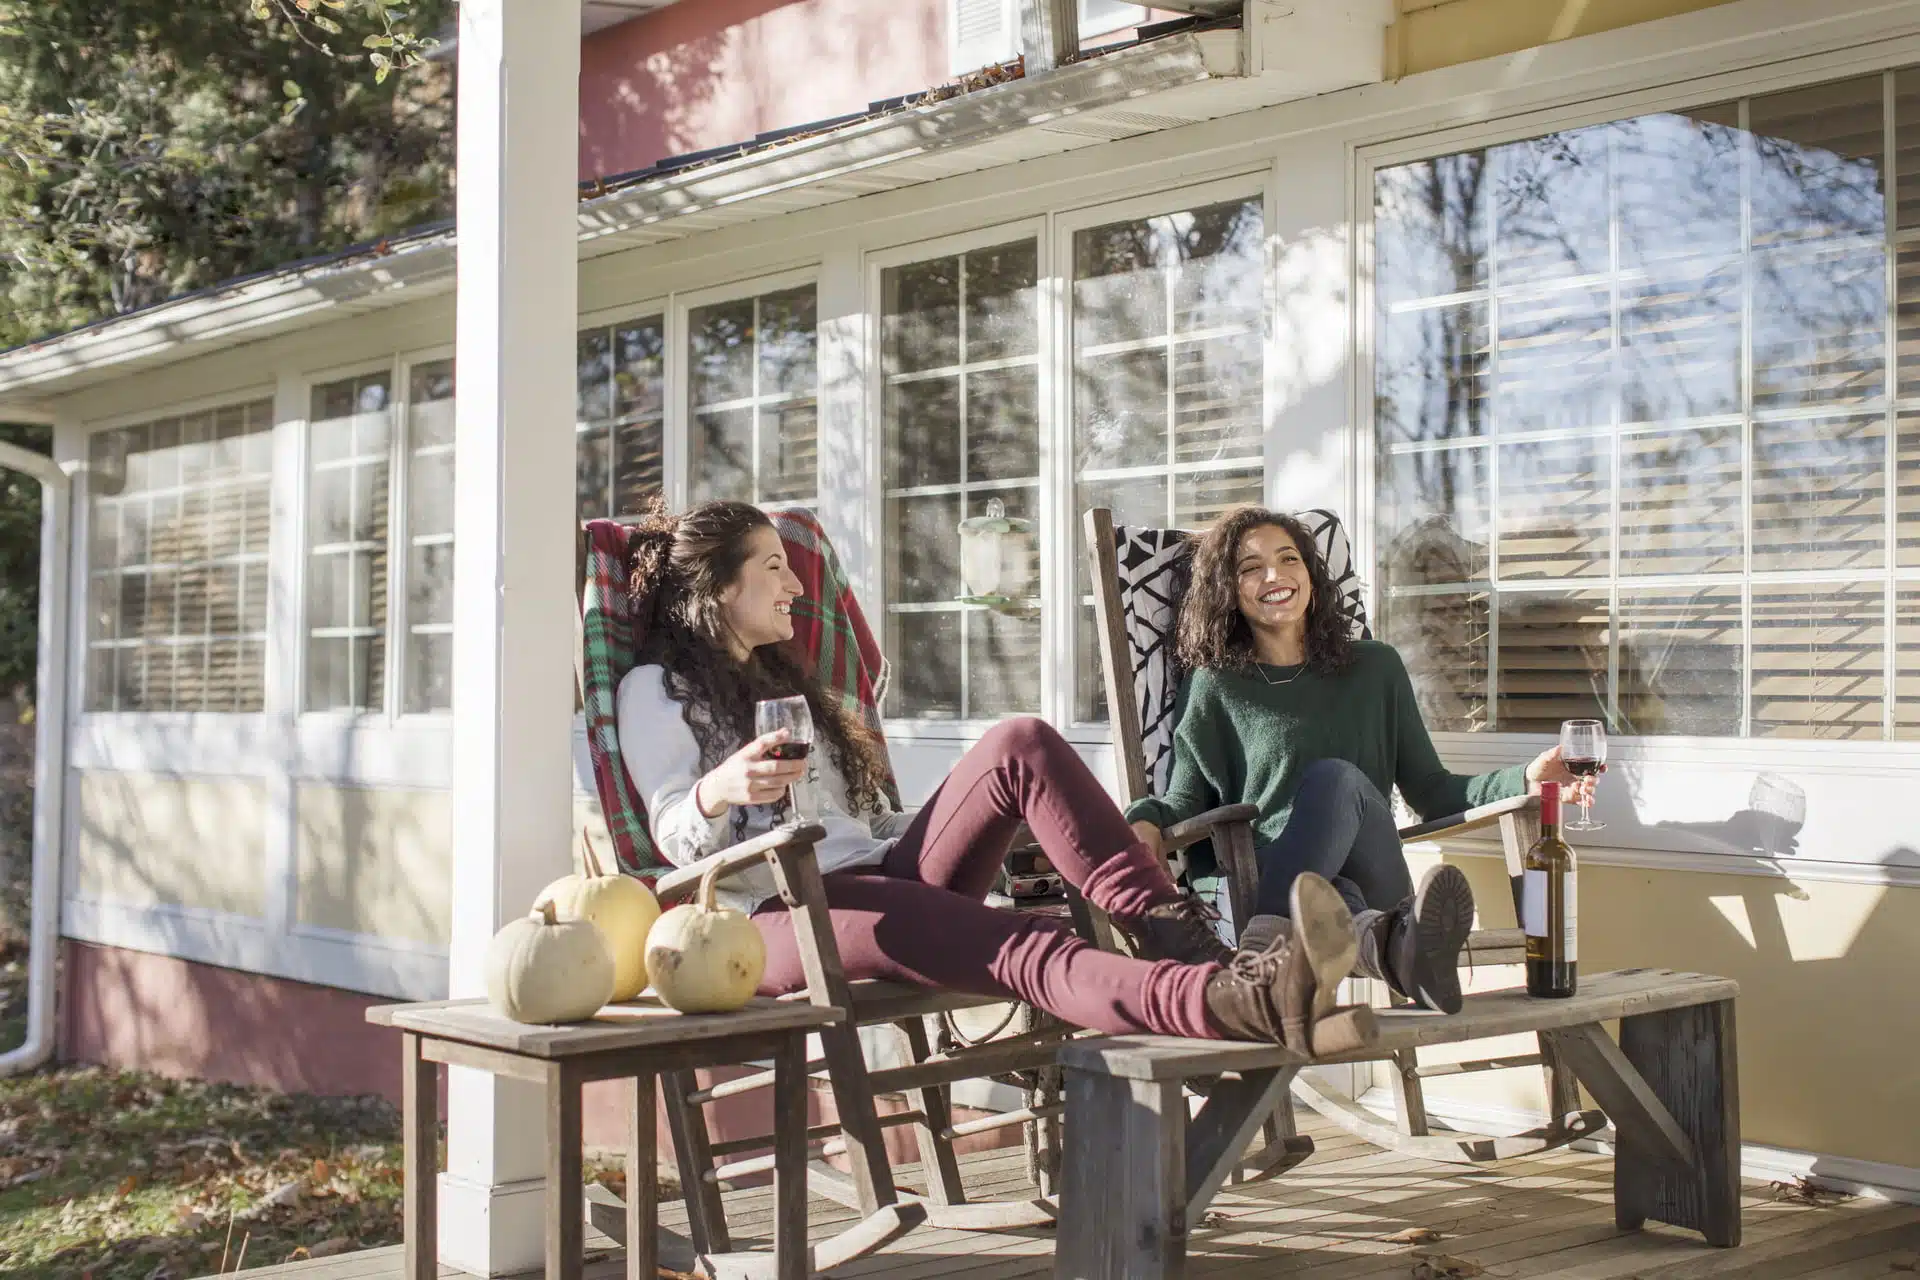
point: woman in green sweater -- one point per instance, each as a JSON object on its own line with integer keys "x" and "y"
{"x": 1285, "y": 711}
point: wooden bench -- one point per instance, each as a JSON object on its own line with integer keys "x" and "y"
{"x": 1139, "y": 1171}
{"x": 638, "y": 1040}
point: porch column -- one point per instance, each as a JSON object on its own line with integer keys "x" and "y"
{"x": 513, "y": 558}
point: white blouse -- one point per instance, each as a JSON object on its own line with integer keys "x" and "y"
{"x": 663, "y": 759}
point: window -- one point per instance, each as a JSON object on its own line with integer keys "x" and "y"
{"x": 349, "y": 442}
{"x": 178, "y": 515}
{"x": 622, "y": 396}
{"x": 752, "y": 413}
{"x": 985, "y": 33}
{"x": 960, "y": 405}
{"x": 430, "y": 468}
{"x": 1167, "y": 331}
{"x": 1647, "y": 447}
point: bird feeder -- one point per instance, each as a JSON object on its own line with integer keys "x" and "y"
{"x": 998, "y": 559}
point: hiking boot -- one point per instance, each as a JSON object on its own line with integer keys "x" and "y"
{"x": 1180, "y": 930}
{"x": 1415, "y": 948}
{"x": 1284, "y": 994}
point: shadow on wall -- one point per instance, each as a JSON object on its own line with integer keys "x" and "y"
{"x": 694, "y": 76}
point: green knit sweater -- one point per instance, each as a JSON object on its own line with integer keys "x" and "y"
{"x": 1241, "y": 740}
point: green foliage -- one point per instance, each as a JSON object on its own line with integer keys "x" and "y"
{"x": 152, "y": 147}
{"x": 20, "y": 567}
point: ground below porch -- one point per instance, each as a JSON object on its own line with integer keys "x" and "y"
{"x": 1355, "y": 1212}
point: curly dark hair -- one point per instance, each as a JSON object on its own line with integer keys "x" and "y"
{"x": 678, "y": 567}
{"x": 1213, "y": 631}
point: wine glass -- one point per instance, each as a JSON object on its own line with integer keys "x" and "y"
{"x": 1583, "y": 749}
{"x": 792, "y": 715}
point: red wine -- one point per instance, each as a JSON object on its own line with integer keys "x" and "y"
{"x": 1581, "y": 768}
{"x": 789, "y": 750}
{"x": 1547, "y": 906}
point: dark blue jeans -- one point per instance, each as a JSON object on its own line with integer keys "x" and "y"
{"x": 1342, "y": 828}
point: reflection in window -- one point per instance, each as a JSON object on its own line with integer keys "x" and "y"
{"x": 428, "y": 673}
{"x": 1167, "y": 325}
{"x": 349, "y": 439}
{"x": 621, "y": 402}
{"x": 752, "y": 411}
{"x": 960, "y": 404}
{"x": 1637, "y": 449}
{"x": 178, "y": 517}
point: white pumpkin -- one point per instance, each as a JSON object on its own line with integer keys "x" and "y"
{"x": 703, "y": 958}
{"x": 625, "y": 910}
{"x": 541, "y": 968}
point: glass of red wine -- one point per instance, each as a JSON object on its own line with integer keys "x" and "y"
{"x": 792, "y": 715}
{"x": 1583, "y": 749}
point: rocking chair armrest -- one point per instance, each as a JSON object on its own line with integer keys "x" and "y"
{"x": 1202, "y": 825}
{"x": 1483, "y": 816}
{"x": 682, "y": 881}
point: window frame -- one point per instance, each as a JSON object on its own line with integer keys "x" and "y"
{"x": 92, "y": 722}
{"x": 873, "y": 270}
{"x": 398, "y": 539}
{"x": 677, "y": 447}
{"x": 1253, "y": 185}
{"x": 1499, "y": 746}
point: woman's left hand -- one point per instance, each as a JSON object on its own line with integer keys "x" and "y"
{"x": 1549, "y": 767}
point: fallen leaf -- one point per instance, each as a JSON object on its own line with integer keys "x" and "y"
{"x": 327, "y": 1248}
{"x": 1805, "y": 1191}
{"x": 1415, "y": 1235}
{"x": 1215, "y": 1218}
{"x": 1444, "y": 1266}
{"x": 1907, "y": 1261}
{"x": 127, "y": 1184}
{"x": 319, "y": 1173}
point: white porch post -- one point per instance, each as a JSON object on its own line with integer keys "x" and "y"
{"x": 513, "y": 557}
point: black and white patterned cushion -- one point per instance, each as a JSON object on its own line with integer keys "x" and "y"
{"x": 1155, "y": 569}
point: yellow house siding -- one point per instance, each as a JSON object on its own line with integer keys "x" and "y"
{"x": 152, "y": 840}
{"x": 1430, "y": 34}
{"x": 375, "y": 861}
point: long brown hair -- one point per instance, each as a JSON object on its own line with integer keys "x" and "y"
{"x": 1213, "y": 631}
{"x": 679, "y": 567}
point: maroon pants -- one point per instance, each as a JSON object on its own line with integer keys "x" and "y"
{"x": 921, "y": 917}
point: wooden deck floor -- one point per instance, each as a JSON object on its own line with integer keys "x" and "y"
{"x": 1333, "y": 1217}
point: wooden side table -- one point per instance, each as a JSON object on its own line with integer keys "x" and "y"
{"x": 633, "y": 1041}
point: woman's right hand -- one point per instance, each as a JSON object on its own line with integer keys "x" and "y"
{"x": 1151, "y": 837}
{"x": 748, "y": 776}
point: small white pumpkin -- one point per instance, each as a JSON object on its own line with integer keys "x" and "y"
{"x": 541, "y": 968}
{"x": 625, "y": 910}
{"x": 703, "y": 958}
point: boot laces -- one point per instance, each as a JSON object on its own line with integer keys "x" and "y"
{"x": 1260, "y": 967}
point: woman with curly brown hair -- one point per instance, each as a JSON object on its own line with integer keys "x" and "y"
{"x": 1282, "y": 709}
{"x": 905, "y": 891}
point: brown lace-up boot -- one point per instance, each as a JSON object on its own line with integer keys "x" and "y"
{"x": 1180, "y": 930}
{"x": 1285, "y": 993}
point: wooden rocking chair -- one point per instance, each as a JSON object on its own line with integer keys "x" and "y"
{"x": 837, "y": 641}
{"x": 1139, "y": 578}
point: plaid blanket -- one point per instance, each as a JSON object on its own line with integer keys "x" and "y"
{"x": 828, "y": 625}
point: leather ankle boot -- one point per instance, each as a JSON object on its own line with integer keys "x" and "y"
{"x": 1284, "y": 994}
{"x": 1415, "y": 948}
{"x": 1179, "y": 930}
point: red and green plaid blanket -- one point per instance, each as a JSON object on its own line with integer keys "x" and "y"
{"x": 828, "y": 626}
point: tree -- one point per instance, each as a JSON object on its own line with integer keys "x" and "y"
{"x": 156, "y": 147}
{"x": 19, "y": 567}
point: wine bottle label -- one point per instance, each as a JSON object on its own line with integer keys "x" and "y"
{"x": 1533, "y": 909}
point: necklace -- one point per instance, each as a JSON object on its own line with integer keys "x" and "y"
{"x": 1261, "y": 667}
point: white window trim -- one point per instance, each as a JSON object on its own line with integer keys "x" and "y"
{"x": 677, "y": 448}
{"x": 1070, "y": 544}
{"x": 877, "y": 263}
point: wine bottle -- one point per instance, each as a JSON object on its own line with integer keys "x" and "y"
{"x": 1548, "y": 905}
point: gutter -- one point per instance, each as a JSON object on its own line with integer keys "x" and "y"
{"x": 49, "y": 754}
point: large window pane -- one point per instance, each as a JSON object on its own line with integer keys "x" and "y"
{"x": 178, "y": 512}
{"x": 961, "y": 418}
{"x": 752, "y": 381}
{"x": 428, "y": 674}
{"x": 620, "y": 405}
{"x": 349, "y": 442}
{"x": 1167, "y": 325}
{"x": 1819, "y": 661}
{"x": 1671, "y": 334}
{"x": 1443, "y": 638}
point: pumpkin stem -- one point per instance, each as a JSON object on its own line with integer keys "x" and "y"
{"x": 707, "y": 883}
{"x": 547, "y": 914}
{"x": 587, "y": 854}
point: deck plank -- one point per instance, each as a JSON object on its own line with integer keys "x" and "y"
{"x": 1330, "y": 1219}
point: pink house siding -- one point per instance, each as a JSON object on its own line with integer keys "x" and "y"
{"x": 706, "y": 73}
